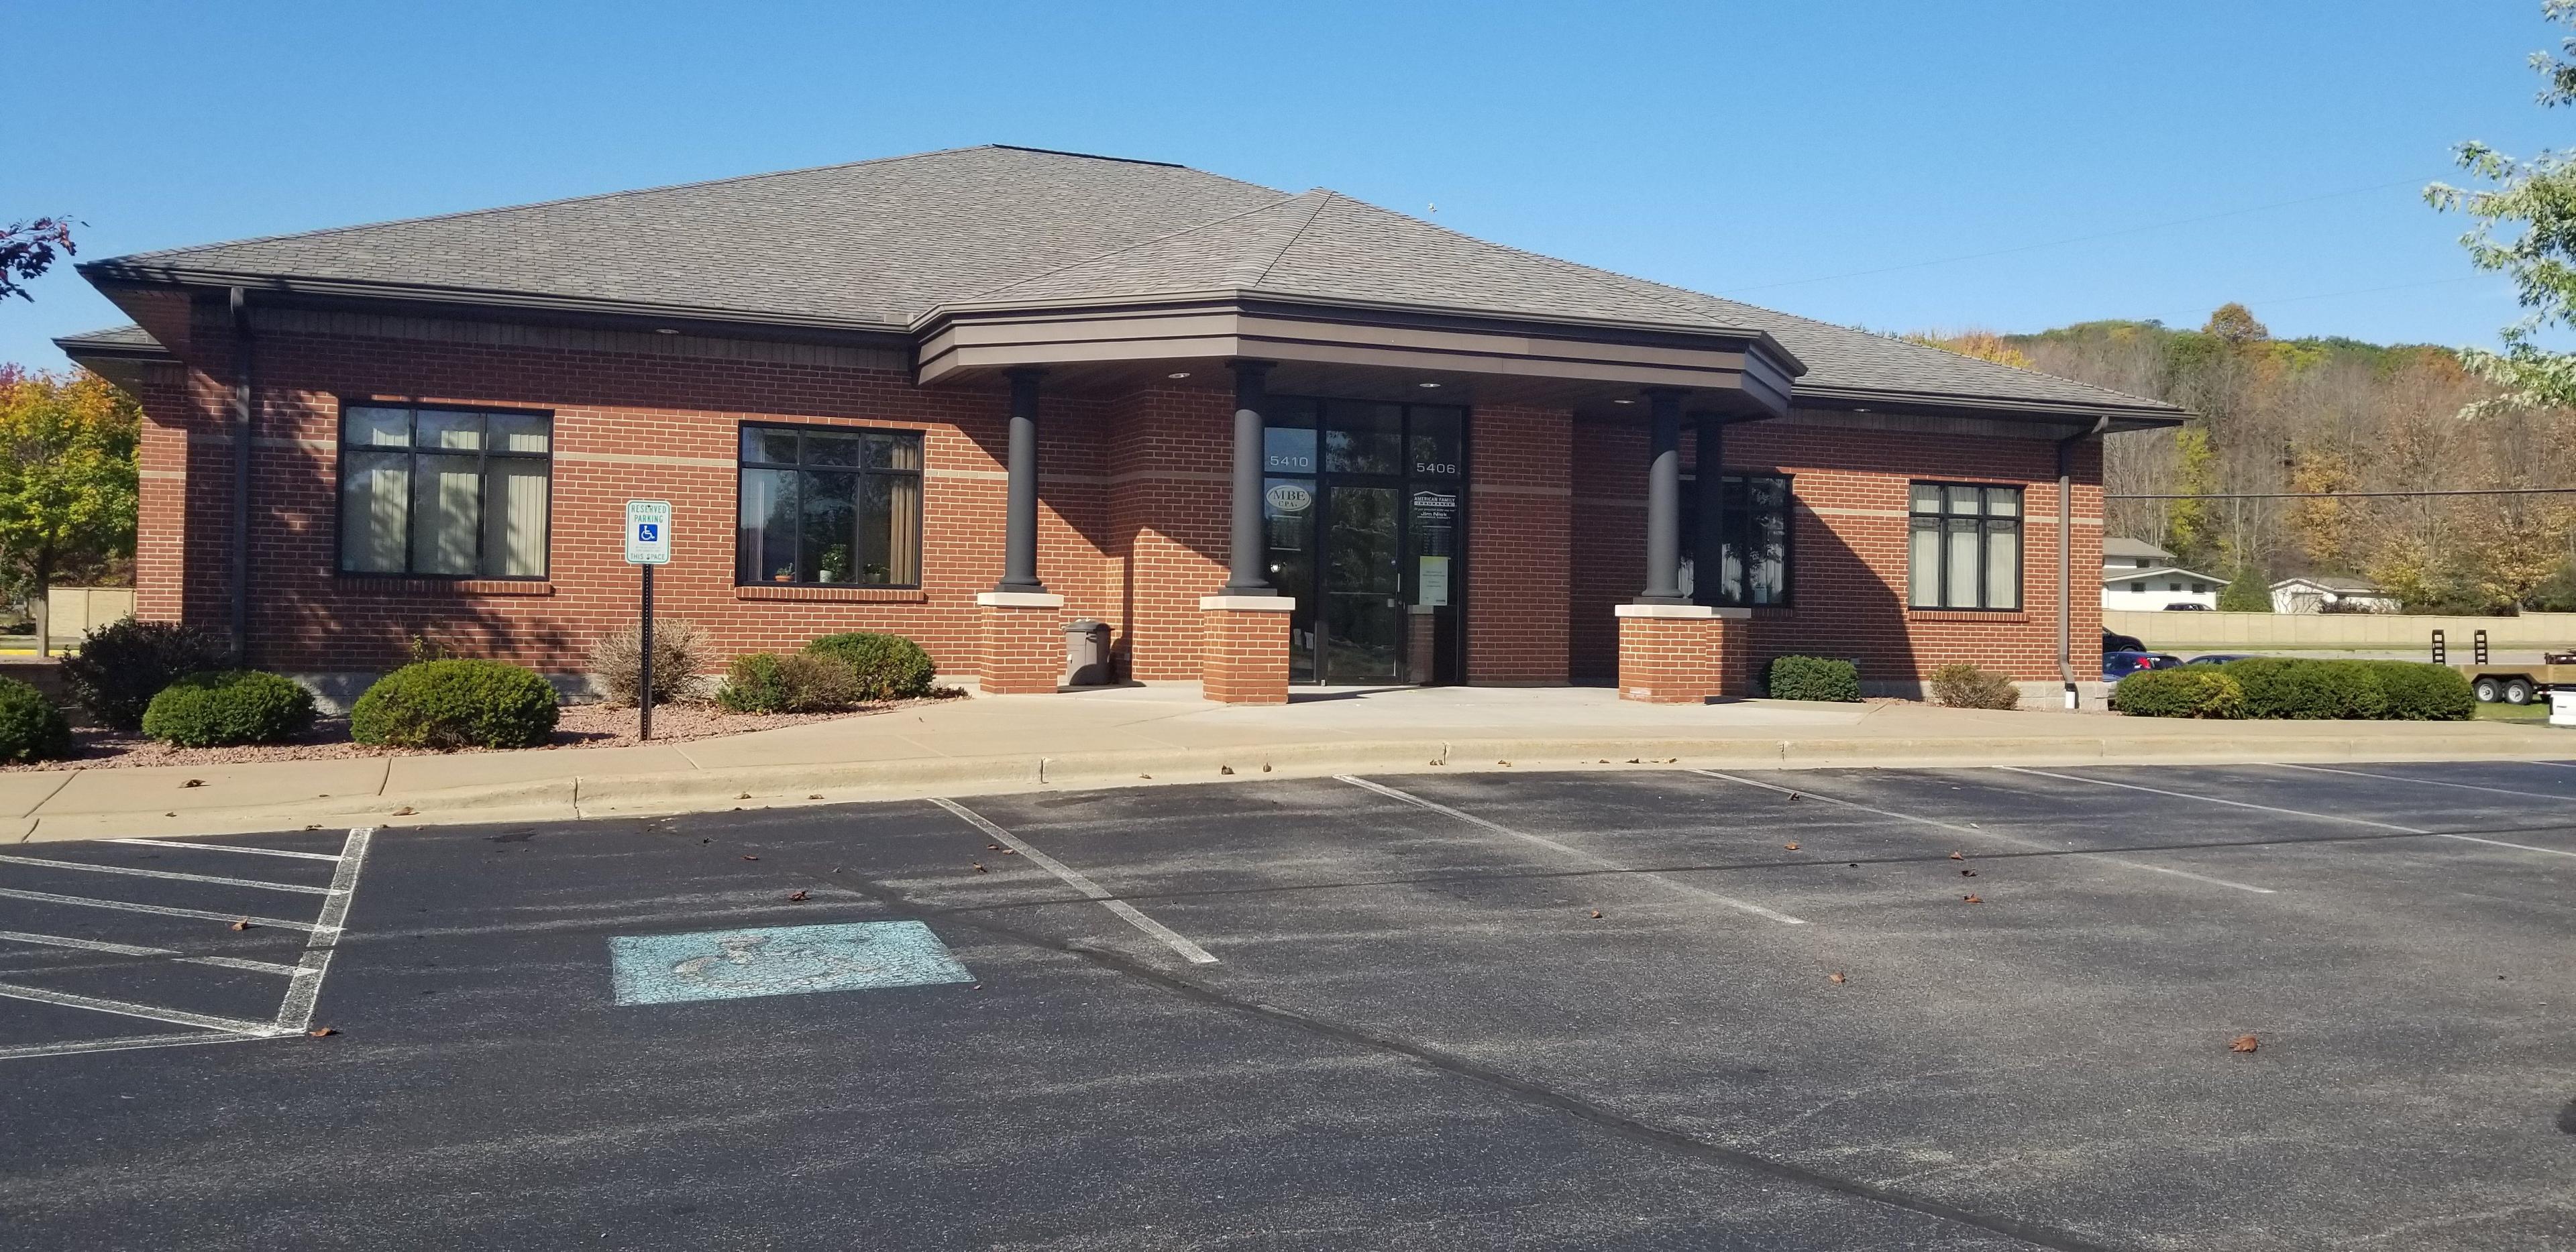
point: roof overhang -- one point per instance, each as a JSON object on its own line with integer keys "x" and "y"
{"x": 120, "y": 358}
{"x": 2112, "y": 575}
{"x": 2076, "y": 416}
{"x": 1357, "y": 350}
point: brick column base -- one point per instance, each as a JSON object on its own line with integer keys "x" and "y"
{"x": 1023, "y": 642}
{"x": 1243, "y": 648}
{"x": 1683, "y": 653}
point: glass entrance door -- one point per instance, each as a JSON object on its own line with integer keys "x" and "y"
{"x": 1363, "y": 510}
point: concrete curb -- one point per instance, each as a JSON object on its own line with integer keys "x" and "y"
{"x": 640, "y": 795}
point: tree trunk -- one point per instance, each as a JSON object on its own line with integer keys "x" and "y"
{"x": 45, "y": 603}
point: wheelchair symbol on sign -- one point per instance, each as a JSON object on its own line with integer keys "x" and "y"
{"x": 648, "y": 532}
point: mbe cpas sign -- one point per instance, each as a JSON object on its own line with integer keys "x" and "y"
{"x": 648, "y": 532}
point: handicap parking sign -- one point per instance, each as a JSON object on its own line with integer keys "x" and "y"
{"x": 648, "y": 532}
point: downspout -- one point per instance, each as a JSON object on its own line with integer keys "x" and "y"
{"x": 240, "y": 623}
{"x": 2066, "y": 553}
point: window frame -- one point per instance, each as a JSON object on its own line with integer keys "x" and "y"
{"x": 1985, "y": 520}
{"x": 1742, "y": 537}
{"x": 483, "y": 455}
{"x": 920, "y": 498}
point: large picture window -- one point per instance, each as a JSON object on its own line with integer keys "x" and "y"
{"x": 1963, "y": 546}
{"x": 443, "y": 492}
{"x": 829, "y": 506}
{"x": 1752, "y": 562}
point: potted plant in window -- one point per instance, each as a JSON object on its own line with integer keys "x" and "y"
{"x": 836, "y": 564}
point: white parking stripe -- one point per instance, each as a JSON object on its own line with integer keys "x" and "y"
{"x": 2429, "y": 782}
{"x": 125, "y": 1044}
{"x": 229, "y": 1025}
{"x": 226, "y": 847}
{"x": 130, "y": 949}
{"x": 128, "y": 906}
{"x": 174, "y": 875}
{"x": 296, "y": 1013}
{"x": 2268, "y": 808}
{"x": 1745, "y": 906}
{"x": 1981, "y": 832}
{"x": 1081, "y": 882}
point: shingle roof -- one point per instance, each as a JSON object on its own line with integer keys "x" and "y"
{"x": 890, "y": 241}
{"x": 2118, "y": 545}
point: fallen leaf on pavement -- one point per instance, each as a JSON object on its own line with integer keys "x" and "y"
{"x": 1967, "y": 873}
{"x": 2244, "y": 1043}
{"x": 194, "y": 782}
{"x": 796, "y": 897}
{"x": 749, "y": 857}
{"x": 1972, "y": 899}
{"x": 1956, "y": 857}
{"x": 1794, "y": 796}
{"x": 405, "y": 811}
{"x": 979, "y": 867}
{"x": 1596, "y": 912}
{"x": 1010, "y": 851}
{"x": 243, "y": 924}
{"x": 1790, "y": 846}
{"x": 1225, "y": 769}
{"x": 992, "y": 847}
{"x": 744, "y": 796}
{"x": 321, "y": 1032}
{"x": 816, "y": 796}
{"x": 1835, "y": 977}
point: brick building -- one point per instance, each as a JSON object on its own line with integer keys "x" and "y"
{"x": 967, "y": 396}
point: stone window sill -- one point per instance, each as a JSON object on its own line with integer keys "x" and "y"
{"x": 1999, "y": 616}
{"x": 448, "y": 586}
{"x": 841, "y": 595}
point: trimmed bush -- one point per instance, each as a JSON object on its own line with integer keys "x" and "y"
{"x": 31, "y": 728}
{"x": 883, "y": 667}
{"x": 456, "y": 704}
{"x": 2421, "y": 692}
{"x": 122, "y": 665}
{"x": 1813, "y": 678}
{"x": 2190, "y": 691}
{"x": 617, "y": 662}
{"x": 802, "y": 682}
{"x": 225, "y": 707}
{"x": 2279, "y": 687}
{"x": 1965, "y": 686}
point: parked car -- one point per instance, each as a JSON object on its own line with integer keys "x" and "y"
{"x": 2121, "y": 664}
{"x": 2188, "y": 606}
{"x": 2114, "y": 641}
{"x": 2219, "y": 658}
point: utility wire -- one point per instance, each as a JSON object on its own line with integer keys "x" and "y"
{"x": 2347, "y": 495}
{"x": 2057, "y": 243}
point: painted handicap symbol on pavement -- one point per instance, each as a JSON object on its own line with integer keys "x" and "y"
{"x": 777, "y": 961}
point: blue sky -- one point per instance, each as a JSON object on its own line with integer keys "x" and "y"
{"x": 1779, "y": 153}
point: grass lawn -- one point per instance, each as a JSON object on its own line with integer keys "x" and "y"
{"x": 2536, "y": 712}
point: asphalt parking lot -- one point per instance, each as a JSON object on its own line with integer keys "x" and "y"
{"x": 1950, "y": 1009}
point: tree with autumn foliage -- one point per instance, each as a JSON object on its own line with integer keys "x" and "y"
{"x": 28, "y": 249}
{"x": 67, "y": 480}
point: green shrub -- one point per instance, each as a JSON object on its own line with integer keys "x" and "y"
{"x": 31, "y": 728}
{"x": 1964, "y": 686}
{"x": 805, "y": 682}
{"x": 2422, "y": 692}
{"x": 1813, "y": 678}
{"x": 884, "y": 667}
{"x": 456, "y": 704}
{"x": 2187, "y": 691}
{"x": 123, "y": 664}
{"x": 2279, "y": 687}
{"x": 225, "y": 707}
{"x": 2355, "y": 688}
{"x": 2248, "y": 592}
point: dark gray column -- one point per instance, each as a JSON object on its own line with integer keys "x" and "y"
{"x": 1248, "y": 574}
{"x": 1708, "y": 528}
{"x": 1020, "y": 516}
{"x": 1664, "y": 501}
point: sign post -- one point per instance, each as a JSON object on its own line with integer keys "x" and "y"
{"x": 648, "y": 543}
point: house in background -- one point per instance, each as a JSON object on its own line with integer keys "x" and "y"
{"x": 964, "y": 396}
{"x": 2138, "y": 575}
{"x": 2330, "y": 593}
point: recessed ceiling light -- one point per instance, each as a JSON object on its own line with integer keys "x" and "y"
{"x": 664, "y": 330}
{"x": 1427, "y": 386}
{"x": 1623, "y": 402}
{"x": 1178, "y": 374}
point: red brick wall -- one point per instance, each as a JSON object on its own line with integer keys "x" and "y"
{"x": 1169, "y": 522}
{"x": 1247, "y": 656}
{"x": 1848, "y": 569}
{"x": 1518, "y": 558}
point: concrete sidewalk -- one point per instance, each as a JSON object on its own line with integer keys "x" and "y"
{"x": 1167, "y": 734}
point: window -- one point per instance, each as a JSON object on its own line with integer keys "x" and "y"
{"x": 829, "y": 506}
{"x": 453, "y": 493}
{"x": 1963, "y": 547}
{"x": 1753, "y": 528}
{"x": 2138, "y": 587}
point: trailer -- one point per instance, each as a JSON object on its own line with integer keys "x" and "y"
{"x": 2495, "y": 683}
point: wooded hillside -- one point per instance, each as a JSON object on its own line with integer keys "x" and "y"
{"x": 2317, "y": 415}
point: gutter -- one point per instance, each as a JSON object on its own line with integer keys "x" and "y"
{"x": 2066, "y": 552}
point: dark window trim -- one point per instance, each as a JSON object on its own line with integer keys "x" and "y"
{"x": 1743, "y": 538}
{"x": 1985, "y": 550}
{"x": 920, "y": 498}
{"x": 482, "y": 466}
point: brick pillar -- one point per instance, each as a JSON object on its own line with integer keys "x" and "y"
{"x": 1683, "y": 653}
{"x": 1243, "y": 642}
{"x": 1023, "y": 642}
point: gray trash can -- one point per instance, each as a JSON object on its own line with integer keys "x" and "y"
{"x": 1086, "y": 652}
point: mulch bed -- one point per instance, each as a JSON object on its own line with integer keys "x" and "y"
{"x": 581, "y": 726}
